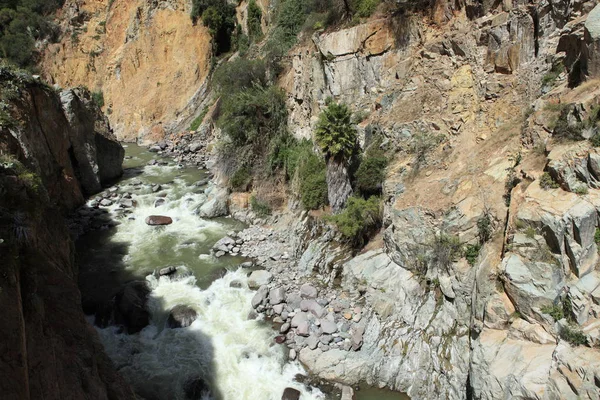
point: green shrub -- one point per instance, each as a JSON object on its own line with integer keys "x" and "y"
{"x": 253, "y": 117}
{"x": 198, "y": 120}
{"x": 254, "y": 21}
{"x": 335, "y": 133}
{"x": 364, "y": 8}
{"x": 286, "y": 152}
{"x": 581, "y": 190}
{"x": 550, "y": 76}
{"x": 22, "y": 23}
{"x": 555, "y": 311}
{"x": 595, "y": 140}
{"x": 239, "y": 75}
{"x": 240, "y": 41}
{"x": 446, "y": 249}
{"x": 359, "y": 220}
{"x": 547, "y": 182}
{"x": 219, "y": 17}
{"x": 472, "y": 252}
{"x": 312, "y": 181}
{"x": 484, "y": 228}
{"x": 597, "y": 236}
{"x": 565, "y": 131}
{"x": 530, "y": 232}
{"x": 573, "y": 335}
{"x": 98, "y": 98}
{"x": 371, "y": 173}
{"x": 260, "y": 208}
{"x": 240, "y": 180}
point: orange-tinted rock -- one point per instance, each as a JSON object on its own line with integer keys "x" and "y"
{"x": 158, "y": 220}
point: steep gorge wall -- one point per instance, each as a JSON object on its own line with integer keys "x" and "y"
{"x": 53, "y": 150}
{"x": 146, "y": 57}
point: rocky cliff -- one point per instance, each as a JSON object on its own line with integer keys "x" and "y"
{"x": 145, "y": 57}
{"x": 52, "y": 151}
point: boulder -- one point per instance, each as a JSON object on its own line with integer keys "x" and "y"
{"x": 308, "y": 292}
{"x": 328, "y": 327}
{"x": 181, "y": 316}
{"x": 130, "y": 306}
{"x": 217, "y": 204}
{"x": 155, "y": 220}
{"x": 276, "y": 296}
{"x": 167, "y": 271}
{"x": 290, "y": 394}
{"x": 303, "y": 328}
{"x": 531, "y": 284}
{"x": 259, "y": 278}
{"x": 298, "y": 319}
{"x": 260, "y": 296}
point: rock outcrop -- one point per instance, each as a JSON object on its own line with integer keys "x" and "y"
{"x": 67, "y": 143}
{"x": 48, "y": 349}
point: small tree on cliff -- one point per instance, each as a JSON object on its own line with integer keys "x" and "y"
{"x": 336, "y": 136}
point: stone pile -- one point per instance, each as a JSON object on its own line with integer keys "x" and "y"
{"x": 308, "y": 317}
{"x": 185, "y": 149}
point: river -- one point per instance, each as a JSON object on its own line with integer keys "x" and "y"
{"x": 235, "y": 354}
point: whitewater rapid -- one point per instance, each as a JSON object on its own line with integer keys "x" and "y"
{"x": 237, "y": 356}
{"x": 222, "y": 345}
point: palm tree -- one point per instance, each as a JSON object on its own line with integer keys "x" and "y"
{"x": 336, "y": 136}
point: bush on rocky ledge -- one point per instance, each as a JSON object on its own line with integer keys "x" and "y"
{"x": 359, "y": 220}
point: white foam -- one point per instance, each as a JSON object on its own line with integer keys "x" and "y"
{"x": 238, "y": 353}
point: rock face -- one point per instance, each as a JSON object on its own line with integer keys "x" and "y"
{"x": 60, "y": 139}
{"x": 48, "y": 348}
{"x": 592, "y": 42}
{"x": 94, "y": 147}
{"x": 98, "y": 40}
{"x": 217, "y": 203}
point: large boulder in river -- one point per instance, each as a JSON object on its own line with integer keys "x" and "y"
{"x": 130, "y": 306}
{"x": 217, "y": 203}
{"x": 290, "y": 394}
{"x": 181, "y": 317}
{"x": 158, "y": 220}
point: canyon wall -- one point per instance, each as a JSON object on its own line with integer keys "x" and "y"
{"x": 54, "y": 148}
{"x": 146, "y": 57}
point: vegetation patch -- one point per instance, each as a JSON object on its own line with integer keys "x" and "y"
{"x": 260, "y": 208}
{"x": 555, "y": 311}
{"x": 254, "y": 21}
{"x": 371, "y": 172}
{"x": 547, "y": 182}
{"x": 240, "y": 180}
{"x": 573, "y": 335}
{"x": 98, "y": 98}
{"x": 198, "y": 120}
{"x": 446, "y": 249}
{"x": 472, "y": 252}
{"x": 312, "y": 182}
{"x": 359, "y": 220}
{"x": 219, "y": 17}
{"x": 22, "y": 23}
